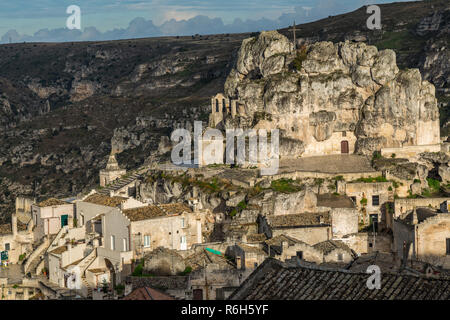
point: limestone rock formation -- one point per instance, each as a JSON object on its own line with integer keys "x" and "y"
{"x": 344, "y": 91}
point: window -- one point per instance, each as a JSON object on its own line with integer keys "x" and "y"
{"x": 217, "y": 105}
{"x": 182, "y": 223}
{"x": 124, "y": 244}
{"x": 448, "y": 246}
{"x": 375, "y": 200}
{"x": 183, "y": 239}
{"x": 146, "y": 241}
{"x": 340, "y": 257}
{"x": 113, "y": 240}
{"x": 353, "y": 199}
{"x": 344, "y": 133}
{"x": 300, "y": 255}
{"x": 7, "y": 247}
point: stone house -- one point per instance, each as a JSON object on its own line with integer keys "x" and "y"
{"x": 213, "y": 276}
{"x": 285, "y": 248}
{"x": 16, "y": 239}
{"x": 246, "y": 256}
{"x": 368, "y": 197}
{"x": 309, "y": 227}
{"x": 423, "y": 234}
{"x": 50, "y": 216}
{"x": 174, "y": 226}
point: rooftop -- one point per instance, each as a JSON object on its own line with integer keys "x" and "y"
{"x": 147, "y": 293}
{"x": 144, "y": 213}
{"x": 334, "y": 201}
{"x": 5, "y": 229}
{"x": 299, "y": 220}
{"x": 202, "y": 258}
{"x": 275, "y": 280}
{"x": 251, "y": 249}
{"x": 104, "y": 200}
{"x": 278, "y": 240}
{"x": 329, "y": 245}
{"x": 51, "y": 202}
{"x": 59, "y": 250}
{"x": 175, "y": 208}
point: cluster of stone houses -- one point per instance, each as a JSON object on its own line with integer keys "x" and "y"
{"x": 81, "y": 245}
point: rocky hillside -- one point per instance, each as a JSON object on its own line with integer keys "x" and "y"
{"x": 61, "y": 104}
{"x": 326, "y": 88}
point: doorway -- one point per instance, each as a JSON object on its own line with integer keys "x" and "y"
{"x": 197, "y": 294}
{"x": 344, "y": 146}
{"x": 64, "y": 220}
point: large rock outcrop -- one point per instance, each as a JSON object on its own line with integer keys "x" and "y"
{"x": 321, "y": 93}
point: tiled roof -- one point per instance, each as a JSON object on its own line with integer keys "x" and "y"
{"x": 274, "y": 280}
{"x": 203, "y": 258}
{"x": 329, "y": 245}
{"x": 334, "y": 201}
{"x": 175, "y": 208}
{"x": 51, "y": 202}
{"x": 147, "y": 293}
{"x": 256, "y": 237}
{"x": 278, "y": 240}
{"x": 251, "y": 249}
{"x": 103, "y": 200}
{"x": 144, "y": 213}
{"x": 299, "y": 220}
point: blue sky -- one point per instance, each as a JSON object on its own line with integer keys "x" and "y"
{"x": 26, "y": 17}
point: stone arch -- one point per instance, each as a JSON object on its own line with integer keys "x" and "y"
{"x": 112, "y": 272}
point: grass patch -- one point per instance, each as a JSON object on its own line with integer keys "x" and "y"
{"x": 371, "y": 179}
{"x": 285, "y": 185}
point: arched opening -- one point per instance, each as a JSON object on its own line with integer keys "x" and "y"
{"x": 223, "y": 106}
{"x": 112, "y": 272}
{"x": 217, "y": 105}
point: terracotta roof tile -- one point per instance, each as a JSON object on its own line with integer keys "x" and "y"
{"x": 104, "y": 200}
{"x": 147, "y": 293}
{"x": 144, "y": 213}
{"x": 299, "y": 220}
{"x": 51, "y": 202}
{"x": 274, "y": 280}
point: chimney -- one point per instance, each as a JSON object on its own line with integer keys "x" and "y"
{"x": 414, "y": 219}
{"x": 14, "y": 224}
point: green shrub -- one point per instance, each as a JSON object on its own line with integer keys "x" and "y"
{"x": 285, "y": 185}
{"x": 138, "y": 270}
{"x": 300, "y": 57}
{"x": 434, "y": 184}
{"x": 363, "y": 201}
{"x": 393, "y": 155}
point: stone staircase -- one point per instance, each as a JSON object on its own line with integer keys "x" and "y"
{"x": 122, "y": 182}
{"x": 36, "y": 257}
{"x": 87, "y": 286}
{"x": 83, "y": 265}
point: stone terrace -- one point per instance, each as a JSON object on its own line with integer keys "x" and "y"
{"x": 327, "y": 164}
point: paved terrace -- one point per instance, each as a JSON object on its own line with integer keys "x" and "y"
{"x": 327, "y": 164}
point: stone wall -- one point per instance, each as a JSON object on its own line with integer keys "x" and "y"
{"x": 309, "y": 235}
{"x": 363, "y": 242}
{"x": 344, "y": 221}
{"x": 402, "y": 206}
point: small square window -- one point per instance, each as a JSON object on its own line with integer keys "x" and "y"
{"x": 7, "y": 247}
{"x": 340, "y": 257}
{"x": 344, "y": 133}
{"x": 375, "y": 200}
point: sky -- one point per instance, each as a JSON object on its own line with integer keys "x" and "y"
{"x": 45, "y": 20}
